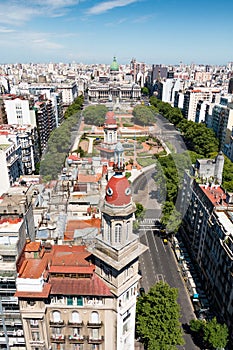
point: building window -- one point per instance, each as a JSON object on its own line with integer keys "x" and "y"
{"x": 75, "y": 317}
{"x": 95, "y": 347}
{"x": 127, "y": 229}
{"x": 95, "y": 333}
{"x": 34, "y": 323}
{"x": 109, "y": 231}
{"x": 76, "y": 332}
{"x": 79, "y": 301}
{"x": 69, "y": 300}
{"x": 125, "y": 327}
{"x": 94, "y": 317}
{"x": 118, "y": 232}
{"x": 58, "y": 346}
{"x": 35, "y": 336}
{"x": 56, "y": 316}
{"x": 77, "y": 347}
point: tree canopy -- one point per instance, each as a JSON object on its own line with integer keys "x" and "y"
{"x": 143, "y": 115}
{"x": 213, "y": 333}
{"x": 60, "y": 142}
{"x": 140, "y": 211}
{"x": 157, "y": 318}
{"x": 95, "y": 115}
{"x": 197, "y": 136}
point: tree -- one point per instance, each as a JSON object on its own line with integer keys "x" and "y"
{"x": 216, "y": 334}
{"x": 140, "y": 211}
{"x": 157, "y": 318}
{"x": 171, "y": 217}
{"x": 95, "y": 115}
{"x": 145, "y": 91}
{"x": 213, "y": 333}
{"x": 143, "y": 115}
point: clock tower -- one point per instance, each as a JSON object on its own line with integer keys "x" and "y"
{"x": 117, "y": 250}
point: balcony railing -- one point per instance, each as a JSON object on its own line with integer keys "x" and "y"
{"x": 75, "y": 324}
{"x": 92, "y": 340}
{"x": 76, "y": 339}
{"x": 58, "y": 338}
{"x": 35, "y": 343}
{"x": 94, "y": 324}
{"x": 57, "y": 323}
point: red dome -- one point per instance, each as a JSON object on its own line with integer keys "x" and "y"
{"x": 110, "y": 118}
{"x": 118, "y": 191}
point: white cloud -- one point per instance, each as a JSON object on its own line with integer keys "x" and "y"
{"x": 6, "y": 30}
{"x": 20, "y": 12}
{"x": 109, "y": 5}
{"x": 143, "y": 19}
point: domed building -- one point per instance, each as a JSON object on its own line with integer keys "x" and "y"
{"x": 116, "y": 254}
{"x": 114, "y": 67}
{"x": 115, "y": 88}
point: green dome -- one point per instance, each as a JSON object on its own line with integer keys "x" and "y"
{"x": 114, "y": 66}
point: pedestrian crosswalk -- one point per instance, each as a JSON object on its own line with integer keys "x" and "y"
{"x": 147, "y": 221}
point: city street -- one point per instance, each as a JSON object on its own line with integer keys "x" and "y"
{"x": 158, "y": 263}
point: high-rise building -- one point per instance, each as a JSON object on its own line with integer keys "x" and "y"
{"x": 16, "y": 226}
{"x": 207, "y": 229}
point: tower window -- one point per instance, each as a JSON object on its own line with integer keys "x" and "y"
{"x": 118, "y": 232}
{"x": 127, "y": 229}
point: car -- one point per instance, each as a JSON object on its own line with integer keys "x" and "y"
{"x": 165, "y": 241}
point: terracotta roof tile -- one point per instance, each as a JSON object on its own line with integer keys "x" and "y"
{"x": 89, "y": 178}
{"x": 83, "y": 286}
{"x": 215, "y": 195}
{"x": 32, "y": 247}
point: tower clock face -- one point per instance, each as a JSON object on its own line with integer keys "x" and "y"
{"x": 109, "y": 191}
{"x": 128, "y": 191}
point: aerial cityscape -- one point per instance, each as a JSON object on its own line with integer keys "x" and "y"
{"x": 116, "y": 175}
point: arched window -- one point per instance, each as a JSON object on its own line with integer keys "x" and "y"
{"x": 108, "y": 231}
{"x": 75, "y": 317}
{"x": 127, "y": 230}
{"x": 94, "y": 317}
{"x": 110, "y": 137}
{"x": 118, "y": 232}
{"x": 56, "y": 316}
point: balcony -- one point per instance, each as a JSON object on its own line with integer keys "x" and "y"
{"x": 76, "y": 339}
{"x": 75, "y": 324}
{"x": 58, "y": 338}
{"x": 94, "y": 325}
{"x": 92, "y": 340}
{"x": 39, "y": 343}
{"x": 57, "y": 323}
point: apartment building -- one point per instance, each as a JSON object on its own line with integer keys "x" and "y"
{"x": 16, "y": 226}
{"x": 191, "y": 99}
{"x": 10, "y": 163}
{"x": 222, "y": 122}
{"x": 18, "y": 110}
{"x": 207, "y": 229}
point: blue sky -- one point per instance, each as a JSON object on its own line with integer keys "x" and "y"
{"x": 93, "y": 31}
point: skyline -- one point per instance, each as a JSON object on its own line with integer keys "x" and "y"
{"x": 90, "y": 31}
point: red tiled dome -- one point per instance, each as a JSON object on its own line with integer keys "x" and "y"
{"x": 118, "y": 191}
{"x": 110, "y": 118}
